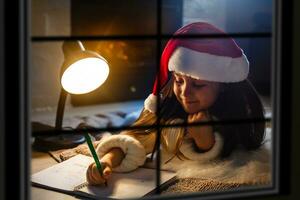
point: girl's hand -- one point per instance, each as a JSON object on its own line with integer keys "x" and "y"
{"x": 93, "y": 176}
{"x": 202, "y": 135}
{"x": 198, "y": 117}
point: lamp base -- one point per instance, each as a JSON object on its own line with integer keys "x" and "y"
{"x": 52, "y": 143}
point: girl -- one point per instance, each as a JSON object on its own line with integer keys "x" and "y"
{"x": 202, "y": 80}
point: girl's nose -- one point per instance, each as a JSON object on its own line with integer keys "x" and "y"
{"x": 186, "y": 90}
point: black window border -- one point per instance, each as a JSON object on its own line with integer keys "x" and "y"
{"x": 16, "y": 98}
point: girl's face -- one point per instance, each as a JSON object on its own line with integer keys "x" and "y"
{"x": 195, "y": 95}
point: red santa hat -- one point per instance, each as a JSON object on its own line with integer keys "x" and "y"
{"x": 211, "y": 59}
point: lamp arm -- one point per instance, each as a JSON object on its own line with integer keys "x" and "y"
{"x": 60, "y": 109}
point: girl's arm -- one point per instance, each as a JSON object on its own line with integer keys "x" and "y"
{"x": 209, "y": 142}
{"x": 124, "y": 152}
{"x": 146, "y": 140}
{"x": 113, "y": 158}
{"x": 203, "y": 135}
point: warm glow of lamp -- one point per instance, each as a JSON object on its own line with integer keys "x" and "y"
{"x": 82, "y": 72}
{"x": 85, "y": 75}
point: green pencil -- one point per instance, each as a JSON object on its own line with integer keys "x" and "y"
{"x": 92, "y": 149}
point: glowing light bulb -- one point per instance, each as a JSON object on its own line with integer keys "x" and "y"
{"x": 85, "y": 75}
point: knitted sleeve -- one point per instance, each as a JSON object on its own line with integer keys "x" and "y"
{"x": 188, "y": 150}
{"x": 135, "y": 153}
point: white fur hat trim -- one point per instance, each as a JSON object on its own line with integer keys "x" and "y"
{"x": 150, "y": 103}
{"x": 209, "y": 67}
{"x": 135, "y": 153}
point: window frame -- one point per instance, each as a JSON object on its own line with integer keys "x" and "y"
{"x": 21, "y": 103}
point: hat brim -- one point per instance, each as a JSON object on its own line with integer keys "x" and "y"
{"x": 209, "y": 67}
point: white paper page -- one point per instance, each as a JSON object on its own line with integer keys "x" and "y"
{"x": 65, "y": 175}
{"x": 129, "y": 185}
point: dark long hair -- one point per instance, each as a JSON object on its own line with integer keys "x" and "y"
{"x": 239, "y": 101}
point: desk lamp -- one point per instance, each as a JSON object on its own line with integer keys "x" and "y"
{"x": 82, "y": 72}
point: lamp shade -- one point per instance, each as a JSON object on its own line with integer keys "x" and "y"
{"x": 83, "y": 71}
{"x": 85, "y": 75}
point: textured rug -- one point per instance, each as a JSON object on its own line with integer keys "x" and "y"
{"x": 189, "y": 185}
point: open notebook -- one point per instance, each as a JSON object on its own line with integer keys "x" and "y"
{"x": 69, "y": 177}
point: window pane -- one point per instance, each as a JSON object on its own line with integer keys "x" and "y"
{"x": 132, "y": 70}
{"x": 114, "y": 17}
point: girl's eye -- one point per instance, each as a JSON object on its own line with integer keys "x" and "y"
{"x": 178, "y": 81}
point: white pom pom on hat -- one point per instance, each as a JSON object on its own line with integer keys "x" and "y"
{"x": 210, "y": 59}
